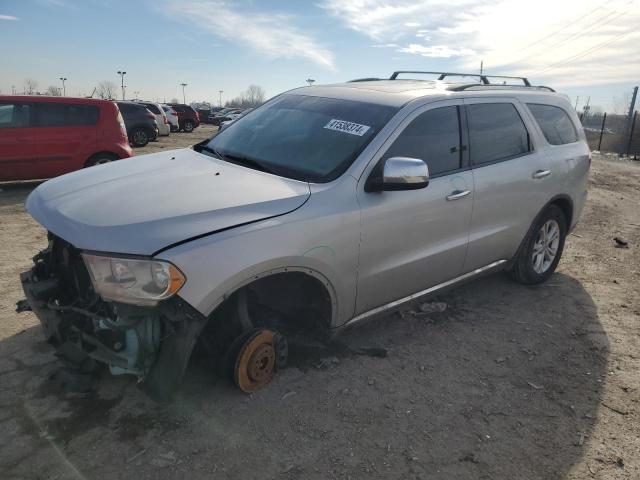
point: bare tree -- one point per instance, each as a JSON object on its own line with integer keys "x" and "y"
{"x": 53, "y": 91}
{"x": 30, "y": 86}
{"x": 174, "y": 100}
{"x": 106, "y": 90}
{"x": 251, "y": 98}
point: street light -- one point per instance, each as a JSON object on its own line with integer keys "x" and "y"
{"x": 310, "y": 81}
{"x": 122, "y": 74}
{"x": 136, "y": 94}
{"x": 64, "y": 88}
{"x": 183, "y": 97}
{"x": 220, "y": 91}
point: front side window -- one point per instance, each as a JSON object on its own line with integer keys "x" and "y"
{"x": 63, "y": 114}
{"x": 434, "y": 137}
{"x": 555, "y": 124}
{"x": 302, "y": 137}
{"x": 14, "y": 115}
{"x": 496, "y": 132}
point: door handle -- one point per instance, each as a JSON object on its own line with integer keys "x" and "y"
{"x": 541, "y": 174}
{"x": 458, "y": 194}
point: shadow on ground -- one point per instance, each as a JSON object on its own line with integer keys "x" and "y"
{"x": 505, "y": 384}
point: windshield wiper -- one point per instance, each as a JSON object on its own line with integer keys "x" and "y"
{"x": 245, "y": 162}
{"x": 237, "y": 159}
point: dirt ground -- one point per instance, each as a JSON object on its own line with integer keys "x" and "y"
{"x": 510, "y": 382}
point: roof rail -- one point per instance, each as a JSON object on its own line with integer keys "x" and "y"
{"x": 494, "y": 86}
{"x": 367, "y": 79}
{"x": 483, "y": 78}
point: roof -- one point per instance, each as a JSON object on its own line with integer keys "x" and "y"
{"x": 399, "y": 92}
{"x": 46, "y": 98}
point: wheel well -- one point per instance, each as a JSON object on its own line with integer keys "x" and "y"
{"x": 293, "y": 303}
{"x": 567, "y": 208}
{"x": 100, "y": 154}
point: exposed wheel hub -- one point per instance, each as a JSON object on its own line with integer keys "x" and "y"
{"x": 261, "y": 353}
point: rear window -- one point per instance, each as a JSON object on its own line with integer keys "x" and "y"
{"x": 555, "y": 124}
{"x": 152, "y": 107}
{"x": 496, "y": 132}
{"x": 14, "y": 115}
{"x": 65, "y": 114}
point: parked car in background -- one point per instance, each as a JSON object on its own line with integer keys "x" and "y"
{"x": 357, "y": 198}
{"x": 233, "y": 118}
{"x": 188, "y": 118}
{"x": 223, "y": 117}
{"x": 164, "y": 128}
{"x": 141, "y": 124}
{"x": 43, "y": 137}
{"x": 172, "y": 116}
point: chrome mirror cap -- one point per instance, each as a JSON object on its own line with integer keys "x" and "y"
{"x": 398, "y": 173}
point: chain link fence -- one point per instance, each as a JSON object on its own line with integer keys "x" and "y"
{"x": 608, "y": 133}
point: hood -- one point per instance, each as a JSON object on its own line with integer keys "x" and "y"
{"x": 143, "y": 204}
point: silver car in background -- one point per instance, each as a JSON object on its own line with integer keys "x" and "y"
{"x": 325, "y": 206}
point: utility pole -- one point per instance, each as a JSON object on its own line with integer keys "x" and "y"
{"x": 481, "y": 66}
{"x": 184, "y": 100}
{"x": 627, "y": 130}
{"x": 310, "y": 81}
{"x": 64, "y": 88}
{"x": 585, "y": 109}
{"x": 220, "y": 98}
{"x": 122, "y": 73}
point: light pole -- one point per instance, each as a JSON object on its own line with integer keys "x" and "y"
{"x": 13, "y": 89}
{"x": 310, "y": 81}
{"x": 122, "y": 73}
{"x": 183, "y": 97}
{"x": 220, "y": 99}
{"x": 136, "y": 94}
{"x": 64, "y": 88}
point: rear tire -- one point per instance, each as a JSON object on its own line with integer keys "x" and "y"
{"x": 187, "y": 126}
{"x": 542, "y": 248}
{"x": 139, "y": 137}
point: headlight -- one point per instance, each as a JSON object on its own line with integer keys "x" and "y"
{"x": 133, "y": 280}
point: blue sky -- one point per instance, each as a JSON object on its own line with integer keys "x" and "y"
{"x": 585, "y": 48}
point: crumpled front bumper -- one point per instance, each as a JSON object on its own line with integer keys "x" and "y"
{"x": 153, "y": 343}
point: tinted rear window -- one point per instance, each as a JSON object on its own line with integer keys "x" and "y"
{"x": 152, "y": 107}
{"x": 65, "y": 114}
{"x": 555, "y": 124}
{"x": 496, "y": 132}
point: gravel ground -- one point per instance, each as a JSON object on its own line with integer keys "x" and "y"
{"x": 510, "y": 382}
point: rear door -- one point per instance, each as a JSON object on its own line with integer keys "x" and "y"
{"x": 415, "y": 239}
{"x": 66, "y": 134}
{"x": 17, "y": 138}
{"x": 511, "y": 174}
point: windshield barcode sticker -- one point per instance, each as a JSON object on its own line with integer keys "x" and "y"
{"x": 347, "y": 127}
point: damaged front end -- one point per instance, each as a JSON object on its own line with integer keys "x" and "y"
{"x": 152, "y": 341}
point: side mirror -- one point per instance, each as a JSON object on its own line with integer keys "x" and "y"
{"x": 398, "y": 173}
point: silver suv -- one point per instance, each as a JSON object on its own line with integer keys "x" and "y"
{"x": 324, "y": 207}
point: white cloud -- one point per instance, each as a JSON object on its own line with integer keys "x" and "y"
{"x": 8, "y": 17}
{"x": 436, "y": 51}
{"x": 411, "y": 24}
{"x": 559, "y": 43}
{"x": 270, "y": 34}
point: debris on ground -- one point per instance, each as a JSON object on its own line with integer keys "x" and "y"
{"x": 621, "y": 242}
{"x": 165, "y": 459}
{"x": 433, "y": 307}
{"x": 535, "y": 386}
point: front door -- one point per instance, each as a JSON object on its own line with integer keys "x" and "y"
{"x": 414, "y": 239}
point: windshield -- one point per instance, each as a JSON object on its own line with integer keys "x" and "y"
{"x": 306, "y": 138}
